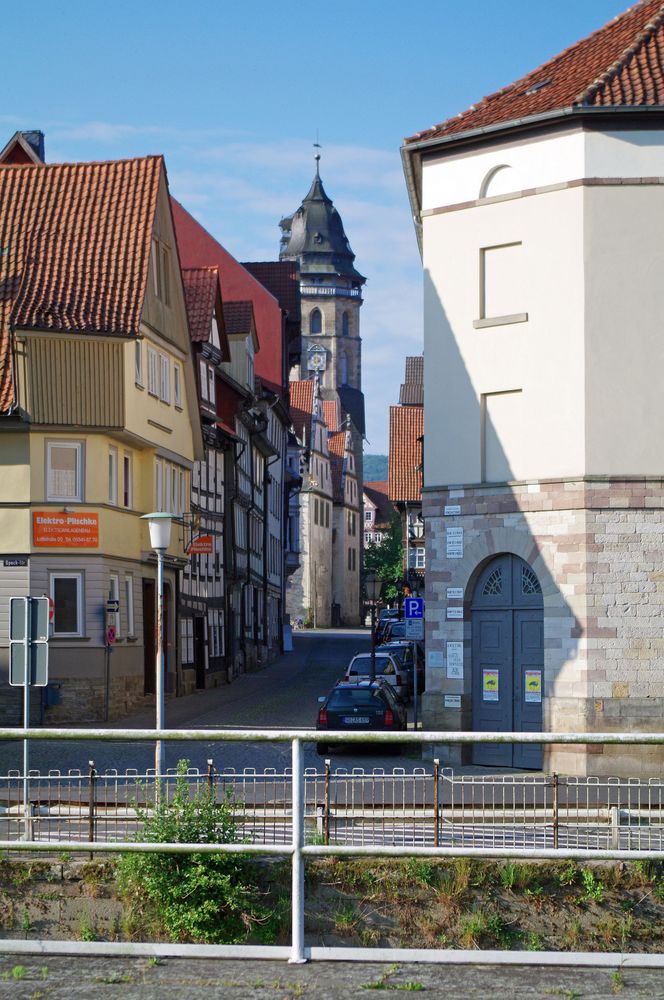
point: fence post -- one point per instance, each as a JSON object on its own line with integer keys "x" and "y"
{"x": 326, "y": 813}
{"x": 554, "y": 786}
{"x": 210, "y": 777}
{"x": 92, "y": 779}
{"x": 297, "y": 895}
{"x": 614, "y": 819}
{"x": 436, "y": 802}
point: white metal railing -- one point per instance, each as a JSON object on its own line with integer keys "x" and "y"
{"x": 297, "y": 849}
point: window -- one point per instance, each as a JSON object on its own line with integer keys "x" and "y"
{"x": 113, "y": 618}
{"x": 153, "y": 388}
{"x": 327, "y": 515}
{"x": 316, "y": 510}
{"x": 126, "y": 481}
{"x": 67, "y": 596}
{"x": 187, "y": 640}
{"x": 416, "y": 557}
{"x": 177, "y": 385}
{"x": 138, "y": 363}
{"x": 214, "y": 334}
{"x": 343, "y": 369}
{"x": 345, "y": 324}
{"x": 315, "y": 321}
{"x": 159, "y": 484}
{"x": 368, "y": 515}
{"x": 165, "y": 378}
{"x": 113, "y": 475}
{"x": 129, "y": 603}
{"x": 207, "y": 383}
{"x": 64, "y": 480}
{"x": 250, "y": 363}
{"x": 161, "y": 271}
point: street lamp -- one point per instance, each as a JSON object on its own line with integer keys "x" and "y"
{"x": 373, "y": 586}
{"x": 159, "y": 523}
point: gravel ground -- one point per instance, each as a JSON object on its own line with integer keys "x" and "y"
{"x": 62, "y": 978}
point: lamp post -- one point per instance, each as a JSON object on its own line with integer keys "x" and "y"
{"x": 159, "y": 523}
{"x": 373, "y": 586}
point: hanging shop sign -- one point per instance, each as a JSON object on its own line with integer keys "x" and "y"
{"x": 201, "y": 545}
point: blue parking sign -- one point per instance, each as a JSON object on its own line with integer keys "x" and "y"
{"x": 414, "y": 607}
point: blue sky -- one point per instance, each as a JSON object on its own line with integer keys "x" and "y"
{"x": 234, "y": 94}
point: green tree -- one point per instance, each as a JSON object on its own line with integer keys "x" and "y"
{"x": 386, "y": 557}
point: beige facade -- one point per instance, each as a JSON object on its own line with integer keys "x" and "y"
{"x": 543, "y": 306}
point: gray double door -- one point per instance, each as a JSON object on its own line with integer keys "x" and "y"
{"x": 507, "y": 660}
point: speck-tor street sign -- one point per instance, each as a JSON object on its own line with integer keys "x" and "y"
{"x": 28, "y": 641}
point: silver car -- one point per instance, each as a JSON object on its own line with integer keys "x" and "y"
{"x": 388, "y": 666}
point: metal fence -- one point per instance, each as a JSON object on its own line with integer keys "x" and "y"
{"x": 300, "y": 813}
{"x": 423, "y": 806}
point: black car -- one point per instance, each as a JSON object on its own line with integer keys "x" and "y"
{"x": 387, "y": 615}
{"x": 370, "y": 705}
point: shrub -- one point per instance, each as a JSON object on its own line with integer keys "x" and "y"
{"x": 211, "y": 898}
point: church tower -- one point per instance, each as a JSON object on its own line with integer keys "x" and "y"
{"x": 331, "y": 297}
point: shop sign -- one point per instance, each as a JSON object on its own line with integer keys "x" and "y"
{"x": 58, "y": 530}
{"x": 201, "y": 545}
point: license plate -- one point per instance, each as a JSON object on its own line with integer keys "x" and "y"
{"x": 358, "y": 720}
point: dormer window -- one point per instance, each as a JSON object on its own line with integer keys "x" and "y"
{"x": 214, "y": 334}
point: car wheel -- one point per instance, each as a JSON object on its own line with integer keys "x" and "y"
{"x": 321, "y": 748}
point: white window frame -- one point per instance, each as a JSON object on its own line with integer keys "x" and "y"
{"x": 153, "y": 382}
{"x": 138, "y": 363}
{"x": 113, "y": 618}
{"x": 129, "y": 602}
{"x": 77, "y": 495}
{"x": 127, "y": 480}
{"x": 177, "y": 385}
{"x": 78, "y": 577}
{"x": 165, "y": 378}
{"x": 113, "y": 475}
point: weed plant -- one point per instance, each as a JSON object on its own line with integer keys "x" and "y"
{"x": 210, "y": 898}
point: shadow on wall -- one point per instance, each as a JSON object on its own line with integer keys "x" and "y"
{"x": 503, "y": 649}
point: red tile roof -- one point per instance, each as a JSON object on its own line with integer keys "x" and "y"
{"x": 620, "y": 64}
{"x": 281, "y": 278}
{"x": 336, "y": 442}
{"x": 200, "y": 291}
{"x": 331, "y": 414}
{"x": 238, "y": 318}
{"x": 74, "y": 249}
{"x": 405, "y": 474}
{"x": 378, "y": 492}
{"x": 301, "y": 408}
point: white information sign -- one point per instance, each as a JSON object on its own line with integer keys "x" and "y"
{"x": 451, "y": 509}
{"x": 452, "y": 701}
{"x": 455, "y": 661}
{"x": 455, "y": 612}
{"x": 454, "y": 543}
{"x": 435, "y": 658}
{"x": 414, "y": 628}
{"x": 455, "y": 593}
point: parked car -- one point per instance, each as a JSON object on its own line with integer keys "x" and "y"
{"x": 385, "y": 616}
{"x": 388, "y": 666}
{"x": 405, "y": 648}
{"x": 394, "y": 630}
{"x": 370, "y": 705}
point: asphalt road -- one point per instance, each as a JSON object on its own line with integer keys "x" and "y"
{"x": 282, "y": 694}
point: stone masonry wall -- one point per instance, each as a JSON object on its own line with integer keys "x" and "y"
{"x": 596, "y": 546}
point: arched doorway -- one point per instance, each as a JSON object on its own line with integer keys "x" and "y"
{"x": 507, "y": 660}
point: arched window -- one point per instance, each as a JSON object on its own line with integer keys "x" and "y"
{"x": 315, "y": 321}
{"x": 343, "y": 369}
{"x": 345, "y": 324}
